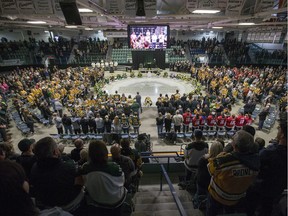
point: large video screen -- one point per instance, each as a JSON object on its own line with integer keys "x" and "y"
{"x": 148, "y": 36}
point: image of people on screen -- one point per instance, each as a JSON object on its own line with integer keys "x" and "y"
{"x": 152, "y": 37}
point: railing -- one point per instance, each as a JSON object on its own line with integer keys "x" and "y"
{"x": 153, "y": 155}
{"x": 172, "y": 190}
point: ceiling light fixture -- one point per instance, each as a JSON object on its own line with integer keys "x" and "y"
{"x": 70, "y": 26}
{"x": 36, "y": 22}
{"x": 89, "y": 29}
{"x": 246, "y": 24}
{"x": 217, "y": 27}
{"x": 85, "y": 10}
{"x": 206, "y": 11}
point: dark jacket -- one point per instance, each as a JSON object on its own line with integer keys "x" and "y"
{"x": 52, "y": 182}
{"x": 75, "y": 154}
{"x": 272, "y": 179}
{"x": 27, "y": 162}
{"x": 66, "y": 121}
{"x": 203, "y": 176}
{"x": 263, "y": 114}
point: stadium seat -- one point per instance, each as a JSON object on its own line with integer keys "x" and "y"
{"x": 124, "y": 136}
{"x": 212, "y": 133}
{"x": 180, "y": 135}
{"x": 230, "y": 133}
{"x": 221, "y": 133}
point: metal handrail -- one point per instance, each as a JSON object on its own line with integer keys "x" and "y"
{"x": 172, "y": 190}
{"x": 162, "y": 156}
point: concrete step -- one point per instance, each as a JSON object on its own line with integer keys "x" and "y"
{"x": 190, "y": 212}
{"x": 159, "y": 199}
{"x": 152, "y": 193}
{"x": 161, "y": 206}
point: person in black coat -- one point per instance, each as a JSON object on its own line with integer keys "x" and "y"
{"x": 92, "y": 125}
{"x": 262, "y": 117}
{"x": 84, "y": 125}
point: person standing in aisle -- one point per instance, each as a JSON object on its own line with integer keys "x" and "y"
{"x": 138, "y": 100}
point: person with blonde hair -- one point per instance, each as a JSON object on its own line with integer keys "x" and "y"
{"x": 168, "y": 122}
{"x": 83, "y": 156}
{"x": 203, "y": 176}
{"x": 117, "y": 125}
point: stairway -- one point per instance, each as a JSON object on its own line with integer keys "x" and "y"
{"x": 150, "y": 201}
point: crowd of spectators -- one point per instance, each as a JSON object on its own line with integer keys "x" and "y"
{"x": 237, "y": 52}
{"x": 264, "y": 55}
{"x": 86, "y": 48}
{"x": 17, "y": 49}
{"x": 205, "y": 44}
{"x": 223, "y": 86}
{"x": 56, "y": 180}
{"x": 60, "y": 49}
{"x": 177, "y": 52}
{"x": 217, "y": 55}
{"x": 174, "y": 42}
{"x": 51, "y": 91}
{"x": 93, "y": 50}
{"x": 180, "y": 66}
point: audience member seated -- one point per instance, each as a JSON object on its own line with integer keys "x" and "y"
{"x": 104, "y": 182}
{"x": 53, "y": 181}
{"x": 240, "y": 167}
{"x": 27, "y": 158}
{"x": 75, "y": 153}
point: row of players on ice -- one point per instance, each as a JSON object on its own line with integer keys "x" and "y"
{"x": 197, "y": 121}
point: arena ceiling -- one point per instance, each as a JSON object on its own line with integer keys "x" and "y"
{"x": 117, "y": 14}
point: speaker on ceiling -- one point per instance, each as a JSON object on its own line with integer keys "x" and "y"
{"x": 140, "y": 8}
{"x": 70, "y": 12}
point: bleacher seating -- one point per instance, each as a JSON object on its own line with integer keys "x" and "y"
{"x": 122, "y": 55}
{"x": 21, "y": 125}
